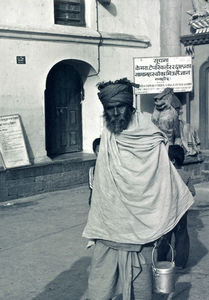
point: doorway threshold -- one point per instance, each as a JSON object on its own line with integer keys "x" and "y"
{"x": 75, "y": 156}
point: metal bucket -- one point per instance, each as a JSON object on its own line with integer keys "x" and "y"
{"x": 163, "y": 274}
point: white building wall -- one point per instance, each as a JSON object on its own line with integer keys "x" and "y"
{"x": 135, "y": 17}
{"x": 131, "y": 18}
{"x": 27, "y": 29}
{"x": 27, "y": 13}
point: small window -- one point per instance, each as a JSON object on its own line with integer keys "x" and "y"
{"x": 69, "y": 12}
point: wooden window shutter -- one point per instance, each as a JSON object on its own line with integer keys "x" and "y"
{"x": 69, "y": 12}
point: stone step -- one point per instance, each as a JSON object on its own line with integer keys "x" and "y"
{"x": 205, "y": 173}
{"x": 205, "y": 165}
{"x": 198, "y": 179}
{"x": 205, "y": 154}
{"x": 41, "y": 178}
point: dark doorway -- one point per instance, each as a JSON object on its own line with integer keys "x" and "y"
{"x": 63, "y": 97}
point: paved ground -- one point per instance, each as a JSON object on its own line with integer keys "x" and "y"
{"x": 43, "y": 257}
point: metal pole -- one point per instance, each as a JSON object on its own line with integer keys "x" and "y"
{"x": 187, "y": 108}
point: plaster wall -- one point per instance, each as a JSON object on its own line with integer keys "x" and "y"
{"x": 26, "y": 13}
{"x": 133, "y": 17}
{"x": 23, "y": 85}
{"x": 186, "y": 9}
{"x": 38, "y": 15}
{"x": 115, "y": 63}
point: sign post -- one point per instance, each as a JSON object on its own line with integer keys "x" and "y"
{"x": 187, "y": 108}
{"x": 12, "y": 143}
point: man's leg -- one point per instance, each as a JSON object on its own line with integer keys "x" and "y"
{"x": 103, "y": 276}
{"x": 142, "y": 285}
{"x": 163, "y": 246}
{"x": 182, "y": 243}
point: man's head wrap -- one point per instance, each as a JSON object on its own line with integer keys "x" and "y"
{"x": 118, "y": 91}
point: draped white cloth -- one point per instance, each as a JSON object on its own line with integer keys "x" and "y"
{"x": 138, "y": 195}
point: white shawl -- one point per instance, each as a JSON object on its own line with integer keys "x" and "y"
{"x": 138, "y": 195}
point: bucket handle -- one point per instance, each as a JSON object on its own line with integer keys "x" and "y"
{"x": 153, "y": 250}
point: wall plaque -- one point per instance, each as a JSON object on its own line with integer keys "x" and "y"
{"x": 154, "y": 74}
{"x": 21, "y": 60}
{"x": 12, "y": 143}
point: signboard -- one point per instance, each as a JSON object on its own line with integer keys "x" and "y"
{"x": 154, "y": 74}
{"x": 12, "y": 143}
{"x": 21, "y": 60}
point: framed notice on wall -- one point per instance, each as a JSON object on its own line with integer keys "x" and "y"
{"x": 12, "y": 143}
{"x": 154, "y": 74}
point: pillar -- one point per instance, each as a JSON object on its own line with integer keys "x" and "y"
{"x": 170, "y": 28}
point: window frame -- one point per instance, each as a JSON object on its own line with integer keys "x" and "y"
{"x": 69, "y": 12}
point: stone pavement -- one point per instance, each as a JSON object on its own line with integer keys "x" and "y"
{"x": 43, "y": 256}
{"x": 193, "y": 282}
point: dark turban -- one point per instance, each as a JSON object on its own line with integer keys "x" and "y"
{"x": 118, "y": 91}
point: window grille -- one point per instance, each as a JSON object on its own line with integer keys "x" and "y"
{"x": 69, "y": 12}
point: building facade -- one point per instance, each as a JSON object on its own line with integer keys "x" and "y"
{"x": 54, "y": 88}
{"x": 54, "y": 52}
{"x": 196, "y": 42}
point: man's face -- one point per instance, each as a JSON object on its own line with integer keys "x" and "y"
{"x": 117, "y": 117}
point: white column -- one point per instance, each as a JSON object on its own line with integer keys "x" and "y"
{"x": 170, "y": 27}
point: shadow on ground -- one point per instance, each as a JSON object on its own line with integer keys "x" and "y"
{"x": 195, "y": 225}
{"x": 71, "y": 284}
{"x": 197, "y": 251}
{"x": 181, "y": 292}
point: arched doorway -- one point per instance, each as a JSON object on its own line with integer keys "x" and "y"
{"x": 204, "y": 101}
{"x": 63, "y": 122}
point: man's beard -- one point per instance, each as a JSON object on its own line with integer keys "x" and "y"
{"x": 116, "y": 124}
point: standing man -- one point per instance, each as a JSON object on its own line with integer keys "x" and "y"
{"x": 138, "y": 196}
